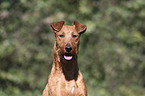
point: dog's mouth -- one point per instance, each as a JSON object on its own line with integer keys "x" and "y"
{"x": 68, "y": 56}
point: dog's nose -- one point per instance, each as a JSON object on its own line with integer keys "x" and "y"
{"x": 68, "y": 48}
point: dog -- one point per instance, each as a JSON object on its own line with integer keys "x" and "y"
{"x": 65, "y": 78}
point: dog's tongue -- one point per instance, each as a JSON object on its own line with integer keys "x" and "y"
{"x": 67, "y": 57}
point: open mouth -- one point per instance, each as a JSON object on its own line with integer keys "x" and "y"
{"x": 68, "y": 56}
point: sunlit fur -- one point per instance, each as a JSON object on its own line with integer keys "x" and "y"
{"x": 65, "y": 78}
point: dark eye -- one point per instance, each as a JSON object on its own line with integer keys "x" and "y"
{"x": 74, "y": 36}
{"x": 61, "y": 36}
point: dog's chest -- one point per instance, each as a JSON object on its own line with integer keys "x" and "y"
{"x": 71, "y": 89}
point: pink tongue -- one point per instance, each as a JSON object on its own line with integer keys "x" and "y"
{"x": 67, "y": 57}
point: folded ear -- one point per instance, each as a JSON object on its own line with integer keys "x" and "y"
{"x": 80, "y": 27}
{"x": 56, "y": 26}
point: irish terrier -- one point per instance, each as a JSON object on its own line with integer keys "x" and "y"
{"x": 65, "y": 78}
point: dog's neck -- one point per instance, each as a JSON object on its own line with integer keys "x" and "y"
{"x": 68, "y": 68}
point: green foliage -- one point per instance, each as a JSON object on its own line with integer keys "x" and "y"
{"x": 112, "y": 51}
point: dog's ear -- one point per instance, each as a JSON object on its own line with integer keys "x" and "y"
{"x": 56, "y": 26}
{"x": 80, "y": 27}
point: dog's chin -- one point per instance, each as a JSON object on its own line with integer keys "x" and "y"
{"x": 68, "y": 57}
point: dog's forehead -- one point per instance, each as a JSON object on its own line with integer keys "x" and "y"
{"x": 67, "y": 28}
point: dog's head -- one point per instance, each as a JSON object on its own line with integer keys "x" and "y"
{"x": 67, "y": 38}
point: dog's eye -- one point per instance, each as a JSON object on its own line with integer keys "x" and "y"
{"x": 61, "y": 36}
{"x": 74, "y": 36}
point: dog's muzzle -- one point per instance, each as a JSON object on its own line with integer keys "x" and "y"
{"x": 68, "y": 56}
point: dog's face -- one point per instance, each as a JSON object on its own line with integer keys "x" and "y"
{"x": 67, "y": 38}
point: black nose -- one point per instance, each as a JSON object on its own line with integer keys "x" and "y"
{"x": 68, "y": 48}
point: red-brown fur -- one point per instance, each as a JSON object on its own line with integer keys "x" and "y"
{"x": 65, "y": 78}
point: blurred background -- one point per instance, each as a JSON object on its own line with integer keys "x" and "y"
{"x": 112, "y": 50}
